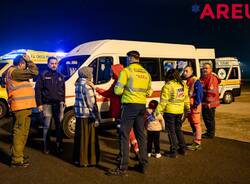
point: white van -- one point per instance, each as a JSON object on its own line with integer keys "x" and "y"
{"x": 102, "y": 54}
{"x": 155, "y": 57}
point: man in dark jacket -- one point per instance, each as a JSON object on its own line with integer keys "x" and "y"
{"x": 50, "y": 99}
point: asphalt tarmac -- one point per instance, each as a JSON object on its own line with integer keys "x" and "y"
{"x": 220, "y": 161}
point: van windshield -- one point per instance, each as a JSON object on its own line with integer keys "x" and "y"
{"x": 69, "y": 65}
{"x": 2, "y": 64}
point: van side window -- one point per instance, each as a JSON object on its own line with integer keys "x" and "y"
{"x": 2, "y": 65}
{"x": 69, "y": 65}
{"x": 123, "y": 61}
{"x": 234, "y": 73}
{"x": 178, "y": 64}
{"x": 101, "y": 69}
{"x": 152, "y": 65}
{"x": 222, "y": 73}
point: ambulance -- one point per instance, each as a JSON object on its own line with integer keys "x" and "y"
{"x": 38, "y": 57}
{"x": 156, "y": 58}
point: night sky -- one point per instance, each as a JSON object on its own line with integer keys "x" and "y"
{"x": 62, "y": 25}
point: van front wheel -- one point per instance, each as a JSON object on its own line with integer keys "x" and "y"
{"x": 69, "y": 123}
{"x": 228, "y": 97}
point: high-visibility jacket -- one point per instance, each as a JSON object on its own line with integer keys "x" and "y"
{"x": 210, "y": 85}
{"x": 21, "y": 94}
{"x": 134, "y": 84}
{"x": 174, "y": 98}
{"x": 195, "y": 91}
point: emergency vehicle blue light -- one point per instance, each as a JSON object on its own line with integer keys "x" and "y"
{"x": 60, "y": 53}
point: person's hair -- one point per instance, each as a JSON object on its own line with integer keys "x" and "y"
{"x": 51, "y": 57}
{"x": 134, "y": 54}
{"x": 152, "y": 104}
{"x": 207, "y": 64}
{"x": 173, "y": 74}
{"x": 17, "y": 60}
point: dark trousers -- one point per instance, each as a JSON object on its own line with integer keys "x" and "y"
{"x": 208, "y": 115}
{"x": 132, "y": 117}
{"x": 154, "y": 137}
{"x": 173, "y": 125}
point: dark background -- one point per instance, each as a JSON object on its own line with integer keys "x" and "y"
{"x": 61, "y": 25}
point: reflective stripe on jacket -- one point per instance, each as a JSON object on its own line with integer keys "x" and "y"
{"x": 21, "y": 94}
{"x": 134, "y": 84}
{"x": 174, "y": 98}
{"x": 210, "y": 85}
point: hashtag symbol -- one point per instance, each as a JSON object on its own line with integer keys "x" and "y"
{"x": 195, "y": 8}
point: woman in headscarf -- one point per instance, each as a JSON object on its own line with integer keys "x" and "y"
{"x": 86, "y": 144}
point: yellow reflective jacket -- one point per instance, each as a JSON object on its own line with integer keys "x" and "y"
{"x": 174, "y": 98}
{"x": 134, "y": 84}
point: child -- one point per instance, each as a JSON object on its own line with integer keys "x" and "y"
{"x": 154, "y": 127}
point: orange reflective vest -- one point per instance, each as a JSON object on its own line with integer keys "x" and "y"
{"x": 21, "y": 94}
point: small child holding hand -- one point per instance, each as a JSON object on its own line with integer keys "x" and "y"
{"x": 154, "y": 126}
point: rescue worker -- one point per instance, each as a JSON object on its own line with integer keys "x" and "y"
{"x": 174, "y": 102}
{"x": 134, "y": 84}
{"x": 115, "y": 106}
{"x": 210, "y": 82}
{"x": 21, "y": 98}
{"x": 50, "y": 99}
{"x": 195, "y": 93}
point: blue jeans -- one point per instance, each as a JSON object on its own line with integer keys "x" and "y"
{"x": 52, "y": 111}
{"x": 132, "y": 117}
{"x": 176, "y": 138}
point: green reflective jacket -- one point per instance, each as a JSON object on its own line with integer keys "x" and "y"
{"x": 134, "y": 84}
{"x": 174, "y": 98}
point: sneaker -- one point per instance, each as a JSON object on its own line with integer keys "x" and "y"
{"x": 46, "y": 151}
{"x": 26, "y": 159}
{"x": 149, "y": 154}
{"x": 19, "y": 164}
{"x": 182, "y": 152}
{"x": 136, "y": 157}
{"x": 170, "y": 154}
{"x": 140, "y": 168}
{"x": 117, "y": 172}
{"x": 157, "y": 155}
{"x": 207, "y": 136}
{"x": 194, "y": 147}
